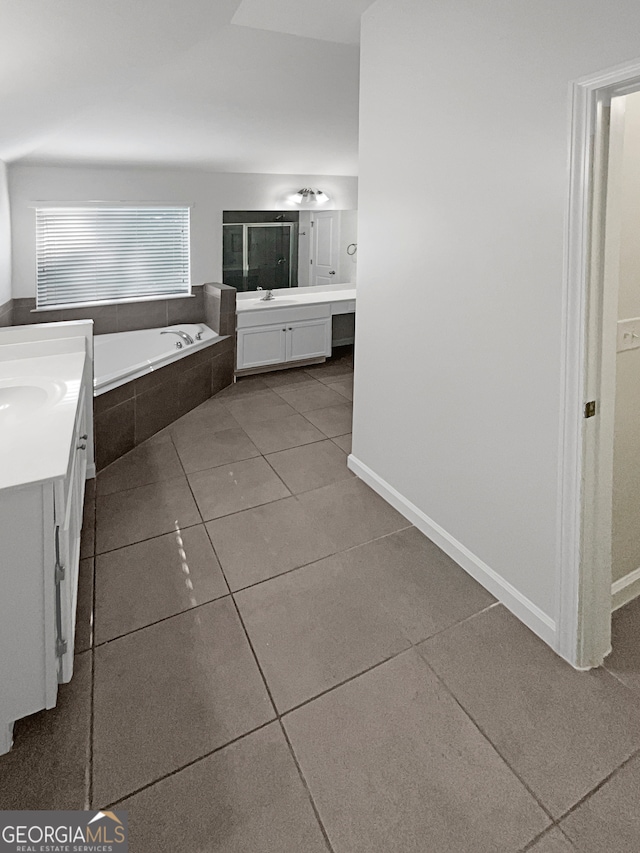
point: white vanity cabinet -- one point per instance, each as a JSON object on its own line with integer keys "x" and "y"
{"x": 45, "y": 458}
{"x": 279, "y": 335}
{"x": 40, "y": 527}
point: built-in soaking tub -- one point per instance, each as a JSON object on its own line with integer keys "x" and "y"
{"x": 124, "y": 356}
{"x": 143, "y": 382}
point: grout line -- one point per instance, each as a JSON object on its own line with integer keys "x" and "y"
{"x": 146, "y": 539}
{"x": 176, "y": 770}
{"x": 600, "y": 784}
{"x": 530, "y": 844}
{"x": 490, "y": 742}
{"x": 305, "y": 784}
{"x": 278, "y": 716}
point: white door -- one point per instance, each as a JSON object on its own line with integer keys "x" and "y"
{"x": 325, "y": 247}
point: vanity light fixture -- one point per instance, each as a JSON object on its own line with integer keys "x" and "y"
{"x": 306, "y": 194}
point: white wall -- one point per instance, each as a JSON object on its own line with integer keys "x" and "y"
{"x": 347, "y": 264}
{"x": 626, "y": 457}
{"x": 464, "y": 129}
{"x": 5, "y": 238}
{"x": 210, "y": 193}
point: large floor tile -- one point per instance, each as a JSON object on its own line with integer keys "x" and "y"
{"x": 281, "y": 434}
{"x": 624, "y": 660}
{"x": 311, "y": 466}
{"x": 48, "y": 765}
{"x": 343, "y": 386}
{"x": 561, "y": 730}
{"x": 609, "y": 820}
{"x": 351, "y": 513}
{"x": 136, "y": 514}
{"x": 245, "y": 386}
{"x": 84, "y": 607}
{"x": 394, "y": 764}
{"x": 343, "y": 442}
{"x": 304, "y": 398}
{"x": 211, "y": 415}
{"x": 267, "y": 541}
{"x": 331, "y": 371}
{"x": 169, "y": 694}
{"x": 261, "y": 406}
{"x": 291, "y": 376}
{"x": 552, "y": 842}
{"x": 317, "y": 626}
{"x": 232, "y": 488}
{"x": 334, "y": 420}
{"x": 246, "y": 798}
{"x": 151, "y": 580}
{"x": 200, "y": 449}
{"x": 415, "y": 583}
{"x": 150, "y": 462}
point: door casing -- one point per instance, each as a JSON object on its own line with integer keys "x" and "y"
{"x": 590, "y": 293}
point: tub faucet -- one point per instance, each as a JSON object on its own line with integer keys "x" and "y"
{"x": 267, "y": 296}
{"x": 185, "y": 337}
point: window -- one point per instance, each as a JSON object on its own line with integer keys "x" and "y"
{"x": 91, "y": 255}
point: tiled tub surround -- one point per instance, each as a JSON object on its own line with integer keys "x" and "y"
{"x": 220, "y": 307}
{"x": 131, "y": 413}
{"x": 125, "y": 356}
{"x": 124, "y": 317}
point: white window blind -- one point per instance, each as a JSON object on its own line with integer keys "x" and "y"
{"x": 88, "y": 255}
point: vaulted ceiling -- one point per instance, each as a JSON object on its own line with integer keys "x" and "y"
{"x": 228, "y": 85}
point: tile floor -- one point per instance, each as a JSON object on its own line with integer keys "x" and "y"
{"x": 271, "y": 660}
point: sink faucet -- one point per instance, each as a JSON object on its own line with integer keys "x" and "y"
{"x": 267, "y": 296}
{"x": 185, "y": 337}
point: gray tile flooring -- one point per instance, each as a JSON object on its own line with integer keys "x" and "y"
{"x": 270, "y": 659}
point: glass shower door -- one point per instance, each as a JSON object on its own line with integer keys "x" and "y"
{"x": 268, "y": 263}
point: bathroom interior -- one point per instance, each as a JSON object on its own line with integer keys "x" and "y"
{"x": 222, "y": 618}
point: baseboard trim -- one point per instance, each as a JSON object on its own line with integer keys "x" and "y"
{"x": 625, "y": 590}
{"x": 521, "y": 607}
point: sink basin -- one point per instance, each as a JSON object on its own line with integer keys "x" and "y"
{"x": 22, "y": 398}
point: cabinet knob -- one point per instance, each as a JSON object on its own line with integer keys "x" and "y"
{"x": 82, "y": 447}
{"x": 84, "y": 437}
{"x": 290, "y": 329}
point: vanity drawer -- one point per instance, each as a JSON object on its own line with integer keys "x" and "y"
{"x": 346, "y": 307}
{"x": 273, "y": 316}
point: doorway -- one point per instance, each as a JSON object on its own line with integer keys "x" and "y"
{"x": 591, "y": 320}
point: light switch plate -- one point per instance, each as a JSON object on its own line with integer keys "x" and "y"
{"x": 628, "y": 334}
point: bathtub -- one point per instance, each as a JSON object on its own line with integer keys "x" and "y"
{"x": 124, "y": 356}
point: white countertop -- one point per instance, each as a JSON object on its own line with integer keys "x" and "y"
{"x": 286, "y": 297}
{"x": 36, "y": 434}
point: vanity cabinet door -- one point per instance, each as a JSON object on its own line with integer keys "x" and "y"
{"x": 308, "y": 339}
{"x": 261, "y": 346}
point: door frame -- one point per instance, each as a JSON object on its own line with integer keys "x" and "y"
{"x": 583, "y": 616}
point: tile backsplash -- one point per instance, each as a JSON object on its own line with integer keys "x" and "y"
{"x": 124, "y": 317}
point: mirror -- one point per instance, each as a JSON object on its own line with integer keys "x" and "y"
{"x": 278, "y": 249}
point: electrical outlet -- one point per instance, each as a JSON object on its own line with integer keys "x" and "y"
{"x": 628, "y": 334}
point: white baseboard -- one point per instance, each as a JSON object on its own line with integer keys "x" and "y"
{"x": 625, "y": 590}
{"x": 91, "y": 471}
{"x": 525, "y": 610}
